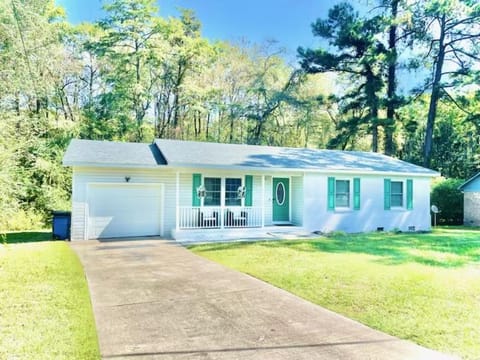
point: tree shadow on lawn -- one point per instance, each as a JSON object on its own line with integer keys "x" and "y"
{"x": 442, "y": 248}
{"x": 26, "y": 236}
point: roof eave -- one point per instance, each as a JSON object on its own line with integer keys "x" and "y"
{"x": 110, "y": 165}
{"x": 430, "y": 174}
{"x": 462, "y": 187}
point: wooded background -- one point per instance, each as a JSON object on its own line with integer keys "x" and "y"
{"x": 401, "y": 78}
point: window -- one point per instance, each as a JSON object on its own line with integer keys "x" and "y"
{"x": 342, "y": 193}
{"x": 396, "y": 194}
{"x": 213, "y": 189}
{"x": 231, "y": 192}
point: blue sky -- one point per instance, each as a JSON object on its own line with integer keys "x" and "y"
{"x": 287, "y": 21}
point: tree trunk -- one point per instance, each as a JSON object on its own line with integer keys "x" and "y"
{"x": 435, "y": 96}
{"x": 392, "y": 85}
{"x": 372, "y": 99}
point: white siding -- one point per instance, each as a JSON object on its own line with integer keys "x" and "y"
{"x": 297, "y": 200}
{"x": 308, "y": 199}
{"x": 83, "y": 176}
{"x": 371, "y": 214}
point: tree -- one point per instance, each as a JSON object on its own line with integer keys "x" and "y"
{"x": 359, "y": 54}
{"x": 450, "y": 30}
{"x": 126, "y": 46}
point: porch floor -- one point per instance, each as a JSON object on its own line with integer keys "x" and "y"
{"x": 274, "y": 232}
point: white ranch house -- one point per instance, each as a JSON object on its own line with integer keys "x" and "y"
{"x": 197, "y": 191}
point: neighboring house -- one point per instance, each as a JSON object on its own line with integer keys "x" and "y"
{"x": 471, "y": 201}
{"x": 198, "y": 190}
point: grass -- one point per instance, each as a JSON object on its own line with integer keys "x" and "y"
{"x": 420, "y": 287}
{"x": 14, "y": 237}
{"x": 45, "y": 310}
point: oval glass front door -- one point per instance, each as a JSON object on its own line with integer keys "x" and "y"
{"x": 280, "y": 192}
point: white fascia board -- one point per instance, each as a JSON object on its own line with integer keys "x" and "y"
{"x": 109, "y": 165}
{"x": 189, "y": 166}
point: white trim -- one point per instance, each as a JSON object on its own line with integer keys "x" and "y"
{"x": 112, "y": 165}
{"x": 350, "y": 195}
{"x": 177, "y": 201}
{"x": 404, "y": 195}
{"x": 263, "y": 200}
{"x": 276, "y": 194}
{"x": 271, "y": 171}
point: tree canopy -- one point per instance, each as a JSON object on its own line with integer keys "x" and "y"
{"x": 136, "y": 75}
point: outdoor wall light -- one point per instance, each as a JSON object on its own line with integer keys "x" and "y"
{"x": 201, "y": 191}
{"x": 127, "y": 179}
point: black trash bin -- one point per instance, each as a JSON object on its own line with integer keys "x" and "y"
{"x": 61, "y": 224}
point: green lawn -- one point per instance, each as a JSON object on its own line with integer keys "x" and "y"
{"x": 421, "y": 287}
{"x": 45, "y": 310}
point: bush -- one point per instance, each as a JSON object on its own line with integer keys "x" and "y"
{"x": 449, "y": 200}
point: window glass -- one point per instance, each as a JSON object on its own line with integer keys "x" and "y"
{"x": 280, "y": 191}
{"x": 396, "y": 193}
{"x": 213, "y": 188}
{"x": 231, "y": 192}
{"x": 342, "y": 193}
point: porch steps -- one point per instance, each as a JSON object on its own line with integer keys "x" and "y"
{"x": 243, "y": 234}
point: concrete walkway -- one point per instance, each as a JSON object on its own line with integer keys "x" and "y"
{"x": 153, "y": 299}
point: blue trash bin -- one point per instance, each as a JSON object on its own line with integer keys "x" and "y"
{"x": 61, "y": 224}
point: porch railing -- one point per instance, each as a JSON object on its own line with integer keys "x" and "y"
{"x": 210, "y": 217}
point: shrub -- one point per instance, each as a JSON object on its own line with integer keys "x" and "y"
{"x": 449, "y": 200}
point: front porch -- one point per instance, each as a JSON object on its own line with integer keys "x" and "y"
{"x": 242, "y": 234}
{"x": 221, "y": 206}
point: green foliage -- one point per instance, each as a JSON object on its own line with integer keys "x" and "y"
{"x": 135, "y": 75}
{"x": 449, "y": 200}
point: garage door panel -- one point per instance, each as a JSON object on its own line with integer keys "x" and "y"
{"x": 124, "y": 210}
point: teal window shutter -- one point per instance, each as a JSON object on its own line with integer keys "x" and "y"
{"x": 331, "y": 194}
{"x": 409, "y": 194}
{"x": 387, "y": 194}
{"x": 356, "y": 193}
{"x": 196, "y": 182}
{"x": 248, "y": 190}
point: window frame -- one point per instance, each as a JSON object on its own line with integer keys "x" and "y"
{"x": 402, "y": 206}
{"x": 207, "y": 191}
{"x": 223, "y": 190}
{"x": 232, "y": 191}
{"x": 349, "y": 198}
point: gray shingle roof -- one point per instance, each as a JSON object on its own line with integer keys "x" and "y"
{"x": 201, "y": 154}
{"x": 178, "y": 153}
{"x": 109, "y": 153}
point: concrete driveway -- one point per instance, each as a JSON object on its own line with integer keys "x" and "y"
{"x": 153, "y": 299}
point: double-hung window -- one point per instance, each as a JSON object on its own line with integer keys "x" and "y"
{"x": 214, "y": 187}
{"x": 213, "y": 191}
{"x": 232, "y": 197}
{"x": 342, "y": 193}
{"x": 396, "y": 194}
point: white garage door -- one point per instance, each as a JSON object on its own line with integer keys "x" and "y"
{"x": 120, "y": 210}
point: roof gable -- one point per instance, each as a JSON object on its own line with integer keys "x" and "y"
{"x": 471, "y": 184}
{"x": 109, "y": 153}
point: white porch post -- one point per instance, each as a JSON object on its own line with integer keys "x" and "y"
{"x": 263, "y": 201}
{"x": 177, "y": 202}
{"x": 222, "y": 202}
